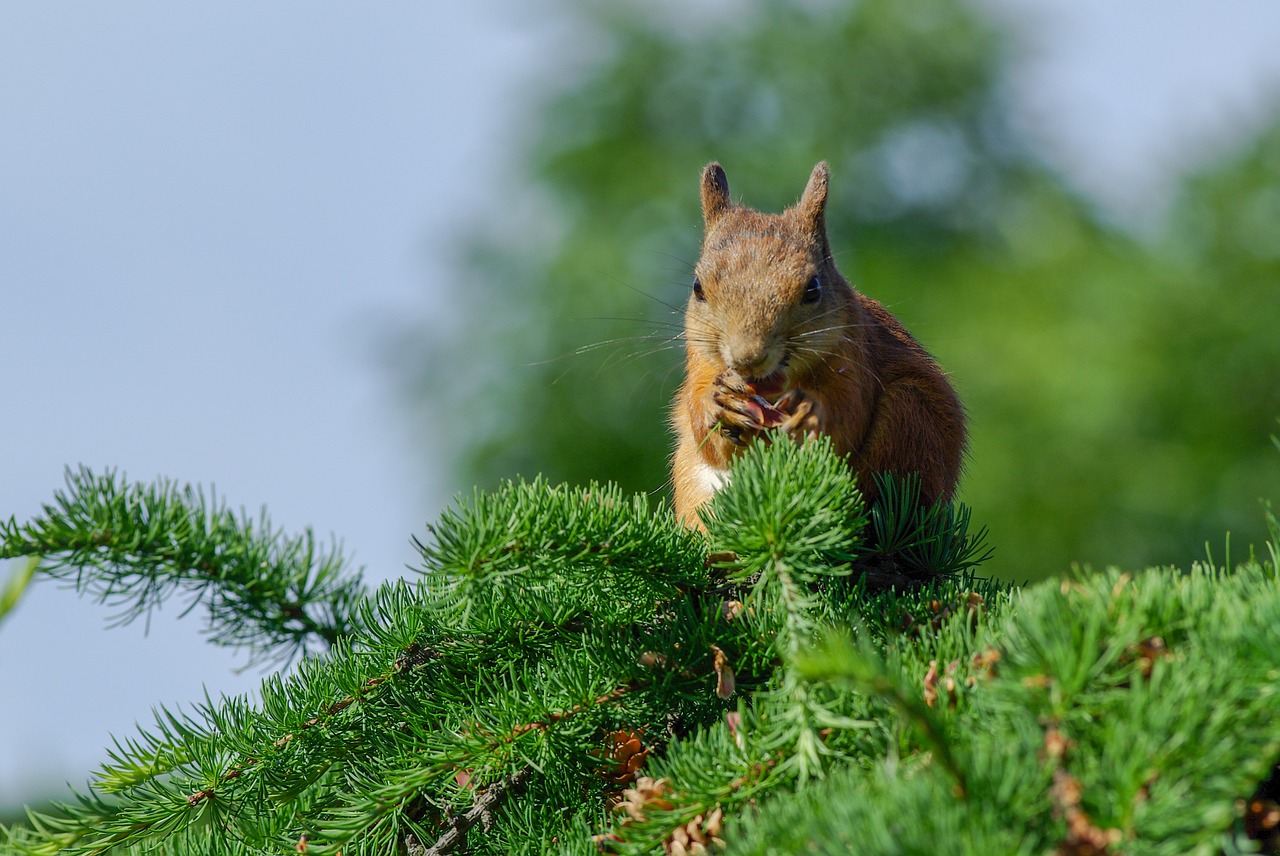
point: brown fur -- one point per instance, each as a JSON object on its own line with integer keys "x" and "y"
{"x": 844, "y": 366}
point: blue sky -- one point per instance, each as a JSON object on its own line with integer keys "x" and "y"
{"x": 210, "y": 213}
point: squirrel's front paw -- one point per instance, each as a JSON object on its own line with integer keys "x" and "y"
{"x": 739, "y": 413}
{"x": 800, "y": 415}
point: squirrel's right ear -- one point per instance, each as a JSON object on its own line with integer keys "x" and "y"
{"x": 813, "y": 202}
{"x": 715, "y": 194}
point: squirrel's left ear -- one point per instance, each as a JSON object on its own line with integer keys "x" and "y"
{"x": 813, "y": 203}
{"x": 715, "y": 194}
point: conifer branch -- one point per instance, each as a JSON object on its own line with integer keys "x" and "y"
{"x": 133, "y": 546}
{"x": 557, "y": 716}
{"x": 415, "y": 656}
{"x": 793, "y": 517}
{"x": 455, "y": 837}
{"x": 842, "y": 659}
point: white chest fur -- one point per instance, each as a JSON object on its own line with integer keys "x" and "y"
{"x": 711, "y": 479}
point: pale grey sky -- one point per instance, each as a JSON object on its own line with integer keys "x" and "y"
{"x": 209, "y": 211}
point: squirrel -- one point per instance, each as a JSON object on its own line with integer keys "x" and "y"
{"x": 776, "y": 338}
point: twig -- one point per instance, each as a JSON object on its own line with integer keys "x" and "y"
{"x": 482, "y": 812}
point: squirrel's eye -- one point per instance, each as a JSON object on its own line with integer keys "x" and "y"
{"x": 812, "y": 292}
{"x": 697, "y": 290}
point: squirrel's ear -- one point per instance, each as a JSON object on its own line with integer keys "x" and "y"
{"x": 715, "y": 194}
{"x": 813, "y": 203}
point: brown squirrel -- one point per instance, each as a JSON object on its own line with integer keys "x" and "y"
{"x": 775, "y": 337}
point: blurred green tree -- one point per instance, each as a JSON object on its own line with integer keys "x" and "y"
{"x": 1121, "y": 392}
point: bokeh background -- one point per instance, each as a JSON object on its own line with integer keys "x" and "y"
{"x": 348, "y": 262}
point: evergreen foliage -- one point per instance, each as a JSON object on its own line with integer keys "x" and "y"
{"x": 133, "y": 546}
{"x": 574, "y": 673}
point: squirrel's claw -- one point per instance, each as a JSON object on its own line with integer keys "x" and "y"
{"x": 802, "y": 418}
{"x": 733, "y": 434}
{"x": 738, "y": 412}
{"x": 790, "y": 399}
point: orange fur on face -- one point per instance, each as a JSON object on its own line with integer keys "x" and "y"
{"x": 774, "y": 335}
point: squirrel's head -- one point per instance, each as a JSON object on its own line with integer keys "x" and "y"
{"x": 767, "y": 299}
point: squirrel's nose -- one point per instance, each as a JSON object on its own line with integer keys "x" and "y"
{"x": 750, "y": 361}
